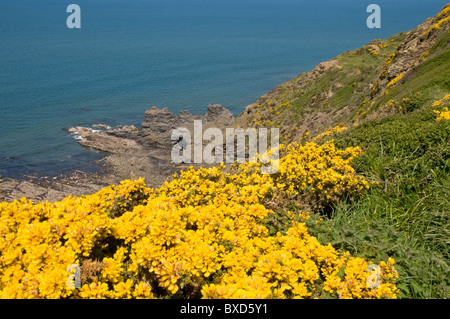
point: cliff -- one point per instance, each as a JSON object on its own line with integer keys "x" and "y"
{"x": 356, "y": 85}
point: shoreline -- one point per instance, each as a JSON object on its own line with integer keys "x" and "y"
{"x": 131, "y": 153}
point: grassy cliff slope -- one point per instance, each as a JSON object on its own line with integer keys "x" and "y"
{"x": 383, "y": 97}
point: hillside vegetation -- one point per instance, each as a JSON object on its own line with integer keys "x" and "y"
{"x": 208, "y": 233}
{"x": 390, "y": 98}
{"x": 359, "y": 207}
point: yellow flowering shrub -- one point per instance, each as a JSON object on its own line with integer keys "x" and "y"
{"x": 39, "y": 241}
{"x": 445, "y": 11}
{"x": 439, "y": 24}
{"x": 441, "y": 18}
{"x": 445, "y": 113}
{"x": 330, "y": 131}
{"x": 443, "y": 101}
{"x": 321, "y": 172}
{"x": 387, "y": 64}
{"x": 395, "y": 80}
{"x": 205, "y": 233}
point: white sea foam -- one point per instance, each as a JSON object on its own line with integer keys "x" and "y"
{"x": 76, "y": 136}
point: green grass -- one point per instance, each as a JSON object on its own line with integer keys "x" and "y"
{"x": 407, "y": 216}
{"x": 369, "y": 229}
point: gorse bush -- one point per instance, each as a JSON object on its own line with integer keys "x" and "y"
{"x": 445, "y": 113}
{"x": 207, "y": 233}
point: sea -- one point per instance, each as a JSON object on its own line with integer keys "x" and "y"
{"x": 130, "y": 55}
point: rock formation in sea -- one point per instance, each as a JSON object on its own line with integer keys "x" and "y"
{"x": 130, "y": 153}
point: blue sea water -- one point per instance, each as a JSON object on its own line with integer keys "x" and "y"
{"x": 182, "y": 54}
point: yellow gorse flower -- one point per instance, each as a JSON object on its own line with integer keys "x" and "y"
{"x": 202, "y": 234}
{"x": 445, "y": 113}
{"x": 395, "y": 80}
{"x": 330, "y": 131}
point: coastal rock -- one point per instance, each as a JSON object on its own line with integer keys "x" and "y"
{"x": 415, "y": 48}
{"x": 106, "y": 141}
{"x": 102, "y": 126}
{"x": 133, "y": 153}
{"x": 217, "y": 113}
{"x": 155, "y": 133}
{"x": 124, "y": 131}
{"x": 159, "y": 123}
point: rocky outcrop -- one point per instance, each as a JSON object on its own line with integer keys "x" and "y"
{"x": 132, "y": 153}
{"x": 217, "y": 114}
{"x": 155, "y": 133}
{"x": 112, "y": 141}
{"x": 415, "y": 49}
{"x": 159, "y": 123}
